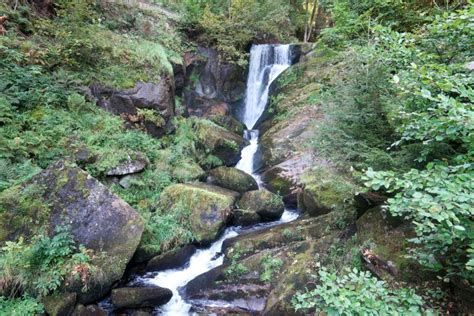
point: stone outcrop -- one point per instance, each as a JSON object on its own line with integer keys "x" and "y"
{"x": 155, "y": 97}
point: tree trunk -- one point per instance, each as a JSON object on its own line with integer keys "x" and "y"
{"x": 312, "y": 20}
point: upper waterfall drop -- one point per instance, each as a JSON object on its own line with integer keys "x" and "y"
{"x": 267, "y": 62}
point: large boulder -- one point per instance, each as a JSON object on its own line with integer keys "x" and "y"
{"x": 218, "y": 141}
{"x": 60, "y": 304}
{"x": 263, "y": 202}
{"x": 286, "y": 177}
{"x": 63, "y": 195}
{"x": 136, "y": 297}
{"x": 232, "y": 179}
{"x": 211, "y": 207}
{"x": 158, "y": 98}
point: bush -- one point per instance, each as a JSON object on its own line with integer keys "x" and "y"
{"x": 42, "y": 266}
{"x": 356, "y": 293}
{"x": 20, "y": 306}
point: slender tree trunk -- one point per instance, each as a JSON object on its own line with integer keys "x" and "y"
{"x": 305, "y": 39}
{"x": 312, "y": 20}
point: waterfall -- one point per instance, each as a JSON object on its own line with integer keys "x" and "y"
{"x": 267, "y": 62}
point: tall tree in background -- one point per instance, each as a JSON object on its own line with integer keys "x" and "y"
{"x": 311, "y": 8}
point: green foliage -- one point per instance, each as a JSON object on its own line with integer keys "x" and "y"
{"x": 42, "y": 266}
{"x": 356, "y": 293}
{"x": 231, "y": 25}
{"x": 236, "y": 269}
{"x": 166, "y": 229}
{"x": 20, "y": 306}
{"x": 439, "y": 201}
{"x": 270, "y": 266}
{"x": 436, "y": 112}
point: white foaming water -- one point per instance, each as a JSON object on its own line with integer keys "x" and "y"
{"x": 246, "y": 162}
{"x": 202, "y": 261}
{"x": 266, "y": 63}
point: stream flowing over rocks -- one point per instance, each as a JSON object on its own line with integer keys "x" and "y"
{"x": 267, "y": 62}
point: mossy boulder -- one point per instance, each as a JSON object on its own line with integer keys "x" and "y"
{"x": 245, "y": 218}
{"x": 285, "y": 177}
{"x": 218, "y": 141}
{"x": 232, "y": 179}
{"x": 211, "y": 207}
{"x": 229, "y": 123}
{"x": 267, "y": 205}
{"x": 325, "y": 190}
{"x": 136, "y": 297}
{"x": 99, "y": 220}
{"x": 60, "y": 304}
{"x": 183, "y": 170}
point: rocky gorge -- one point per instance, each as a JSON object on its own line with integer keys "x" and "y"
{"x": 160, "y": 172}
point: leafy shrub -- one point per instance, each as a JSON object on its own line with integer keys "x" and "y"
{"x": 356, "y": 293}
{"x": 435, "y": 106}
{"x": 42, "y": 266}
{"x": 270, "y": 266}
{"x": 20, "y": 306}
{"x": 167, "y": 229}
{"x": 236, "y": 269}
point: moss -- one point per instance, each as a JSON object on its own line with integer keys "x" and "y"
{"x": 210, "y": 206}
{"x": 330, "y": 189}
{"x": 23, "y": 211}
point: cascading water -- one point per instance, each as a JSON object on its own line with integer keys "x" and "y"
{"x": 266, "y": 63}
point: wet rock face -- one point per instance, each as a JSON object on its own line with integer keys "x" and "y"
{"x": 211, "y": 207}
{"x": 213, "y": 88}
{"x": 137, "y": 297}
{"x": 232, "y": 179}
{"x": 267, "y": 205}
{"x": 89, "y": 310}
{"x": 158, "y": 97}
{"x": 273, "y": 264}
{"x": 99, "y": 220}
{"x": 172, "y": 259}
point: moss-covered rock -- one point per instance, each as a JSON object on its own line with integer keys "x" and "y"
{"x": 325, "y": 190}
{"x": 60, "y": 304}
{"x": 264, "y": 278}
{"x": 245, "y": 218}
{"x": 63, "y": 195}
{"x": 232, "y": 179}
{"x": 136, "y": 297}
{"x": 211, "y": 207}
{"x": 263, "y": 202}
{"x": 229, "y": 123}
{"x": 218, "y": 141}
{"x": 183, "y": 170}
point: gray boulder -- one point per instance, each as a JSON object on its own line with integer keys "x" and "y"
{"x": 265, "y": 203}
{"x": 133, "y": 164}
{"x": 63, "y": 195}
